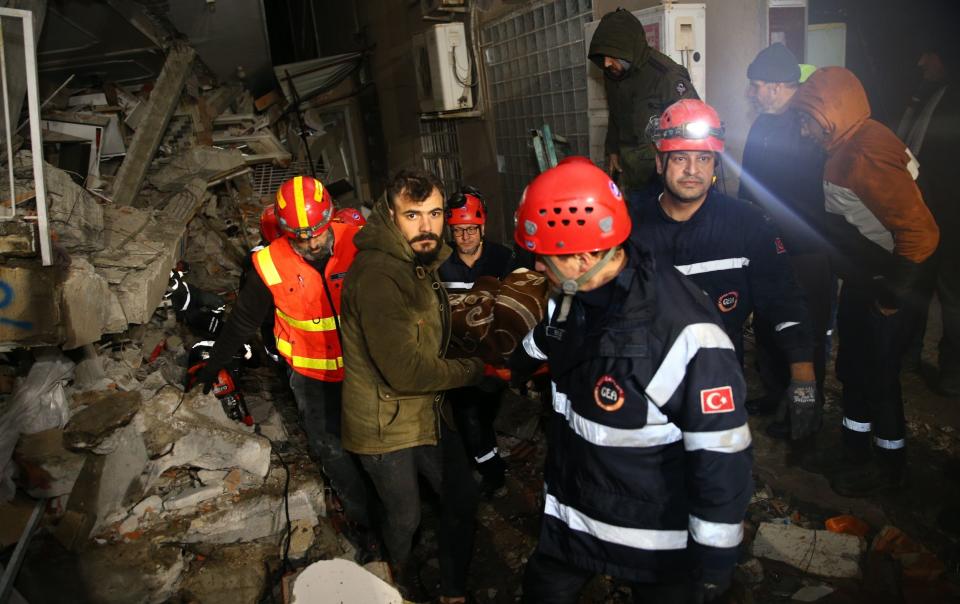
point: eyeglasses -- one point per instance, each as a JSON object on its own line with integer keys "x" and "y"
{"x": 462, "y": 232}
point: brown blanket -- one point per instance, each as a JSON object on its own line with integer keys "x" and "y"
{"x": 492, "y": 318}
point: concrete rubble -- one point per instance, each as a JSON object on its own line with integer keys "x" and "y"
{"x": 820, "y": 553}
{"x": 341, "y": 581}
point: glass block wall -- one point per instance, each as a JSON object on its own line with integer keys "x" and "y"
{"x": 440, "y": 150}
{"x": 536, "y": 71}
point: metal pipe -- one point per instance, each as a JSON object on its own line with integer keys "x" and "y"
{"x": 36, "y": 142}
{"x": 13, "y": 567}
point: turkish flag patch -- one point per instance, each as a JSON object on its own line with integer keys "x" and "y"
{"x": 778, "y": 244}
{"x": 717, "y": 400}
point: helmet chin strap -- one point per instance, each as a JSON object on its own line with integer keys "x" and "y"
{"x": 569, "y": 287}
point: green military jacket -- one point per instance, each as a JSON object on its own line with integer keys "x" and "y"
{"x": 395, "y": 324}
{"x": 653, "y": 83}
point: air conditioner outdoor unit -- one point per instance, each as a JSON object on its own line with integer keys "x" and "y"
{"x": 444, "y": 71}
{"x": 428, "y": 7}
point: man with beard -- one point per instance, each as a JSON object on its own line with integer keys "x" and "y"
{"x": 640, "y": 81}
{"x": 396, "y": 327}
{"x": 301, "y": 274}
{"x": 726, "y": 246}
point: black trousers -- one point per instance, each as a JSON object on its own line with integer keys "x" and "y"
{"x": 474, "y": 411}
{"x": 319, "y": 406}
{"x": 548, "y": 580}
{"x": 813, "y": 275}
{"x": 447, "y": 470}
{"x": 868, "y": 366}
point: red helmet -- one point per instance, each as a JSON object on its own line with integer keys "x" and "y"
{"x": 466, "y": 207}
{"x": 687, "y": 125}
{"x": 269, "y": 227}
{"x": 349, "y": 216}
{"x": 304, "y": 207}
{"x": 571, "y": 208}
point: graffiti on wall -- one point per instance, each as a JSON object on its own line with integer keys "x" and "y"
{"x": 7, "y": 296}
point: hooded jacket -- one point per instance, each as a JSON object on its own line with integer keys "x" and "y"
{"x": 876, "y": 221}
{"x": 396, "y": 326}
{"x": 652, "y": 83}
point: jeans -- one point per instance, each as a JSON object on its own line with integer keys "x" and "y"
{"x": 474, "y": 411}
{"x": 319, "y": 406}
{"x": 548, "y": 580}
{"x": 446, "y": 468}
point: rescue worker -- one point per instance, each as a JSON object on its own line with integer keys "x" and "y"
{"x": 726, "y": 246}
{"x": 640, "y": 82}
{"x": 783, "y": 174}
{"x": 880, "y": 232}
{"x": 350, "y": 216}
{"x": 474, "y": 409}
{"x": 300, "y": 277}
{"x": 649, "y": 452}
{"x": 396, "y": 327}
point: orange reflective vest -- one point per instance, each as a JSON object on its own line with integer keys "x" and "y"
{"x": 306, "y": 325}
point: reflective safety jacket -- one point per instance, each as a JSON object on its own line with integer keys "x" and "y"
{"x": 648, "y": 470}
{"x": 308, "y": 303}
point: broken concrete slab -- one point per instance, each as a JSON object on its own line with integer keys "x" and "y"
{"x": 107, "y": 413}
{"x": 209, "y": 164}
{"x": 74, "y": 213}
{"x": 301, "y": 539}
{"x": 256, "y": 515}
{"x": 816, "y": 552}
{"x": 151, "y": 127}
{"x": 192, "y": 497}
{"x": 90, "y": 308}
{"x": 108, "y": 486}
{"x": 342, "y": 581}
{"x": 31, "y": 308}
{"x": 47, "y": 468}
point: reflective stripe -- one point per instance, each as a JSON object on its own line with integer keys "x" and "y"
{"x": 673, "y": 370}
{"x": 648, "y": 539}
{"x": 844, "y": 202}
{"x": 889, "y": 444}
{"x": 715, "y": 534}
{"x": 488, "y": 456}
{"x": 301, "y": 206}
{"x": 784, "y": 325}
{"x": 531, "y": 348}
{"x": 186, "y": 302}
{"x": 913, "y": 166}
{"x": 724, "y": 264}
{"x": 286, "y": 349}
{"x": 325, "y": 324}
{"x": 267, "y": 268}
{"x": 606, "y": 436}
{"x": 720, "y": 441}
{"x": 849, "y": 424}
{"x": 456, "y": 284}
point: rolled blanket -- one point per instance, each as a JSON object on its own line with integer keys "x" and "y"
{"x": 493, "y": 317}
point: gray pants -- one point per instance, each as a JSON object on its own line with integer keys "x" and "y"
{"x": 447, "y": 469}
{"x": 319, "y": 406}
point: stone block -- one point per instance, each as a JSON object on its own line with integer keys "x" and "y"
{"x": 90, "y": 308}
{"x": 74, "y": 214}
{"x": 230, "y": 574}
{"x": 105, "y": 414}
{"x": 18, "y": 238}
{"x": 128, "y": 573}
{"x": 47, "y": 468}
{"x": 29, "y": 305}
{"x": 814, "y": 552}
{"x": 341, "y": 581}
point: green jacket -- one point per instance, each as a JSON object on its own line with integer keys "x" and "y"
{"x": 653, "y": 83}
{"x": 395, "y": 325}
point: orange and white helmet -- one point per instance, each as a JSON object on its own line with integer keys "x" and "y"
{"x": 687, "y": 125}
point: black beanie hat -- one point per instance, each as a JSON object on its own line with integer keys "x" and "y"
{"x": 774, "y": 64}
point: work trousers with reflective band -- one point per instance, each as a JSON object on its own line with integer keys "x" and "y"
{"x": 319, "y": 406}
{"x": 868, "y": 366}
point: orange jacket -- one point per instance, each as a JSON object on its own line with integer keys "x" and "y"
{"x": 869, "y": 182}
{"x": 306, "y": 326}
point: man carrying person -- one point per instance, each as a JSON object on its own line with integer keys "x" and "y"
{"x": 396, "y": 328}
{"x": 647, "y": 475}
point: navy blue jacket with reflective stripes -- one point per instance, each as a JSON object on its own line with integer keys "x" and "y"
{"x": 648, "y": 471}
{"x": 495, "y": 261}
{"x": 734, "y": 254}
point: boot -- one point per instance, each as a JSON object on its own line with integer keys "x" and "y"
{"x": 870, "y": 479}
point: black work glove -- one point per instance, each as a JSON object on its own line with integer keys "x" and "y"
{"x": 201, "y": 373}
{"x": 802, "y": 408}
